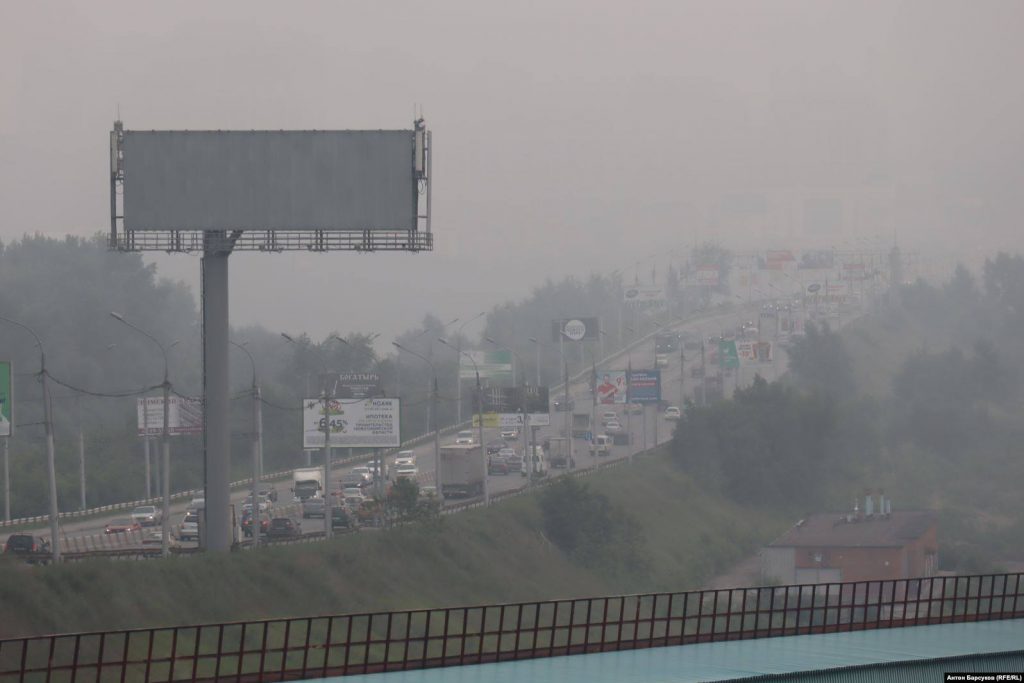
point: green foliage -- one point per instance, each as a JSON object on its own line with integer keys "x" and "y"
{"x": 820, "y": 362}
{"x": 770, "y": 444}
{"x": 591, "y": 529}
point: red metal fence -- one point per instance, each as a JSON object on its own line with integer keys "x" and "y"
{"x": 314, "y": 647}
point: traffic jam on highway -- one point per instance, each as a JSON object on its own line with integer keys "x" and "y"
{"x": 606, "y": 415}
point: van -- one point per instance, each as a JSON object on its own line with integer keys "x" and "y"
{"x": 601, "y": 445}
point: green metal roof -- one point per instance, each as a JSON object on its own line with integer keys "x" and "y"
{"x": 737, "y": 659}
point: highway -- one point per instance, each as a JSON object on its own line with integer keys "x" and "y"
{"x": 89, "y": 532}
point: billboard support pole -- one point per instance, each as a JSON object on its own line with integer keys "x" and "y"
{"x": 216, "y": 428}
{"x": 165, "y": 516}
{"x": 145, "y": 446}
{"x": 327, "y": 460}
{"x": 7, "y": 478}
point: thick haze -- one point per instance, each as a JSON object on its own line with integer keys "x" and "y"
{"x": 570, "y": 136}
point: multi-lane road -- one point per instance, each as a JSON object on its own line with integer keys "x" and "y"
{"x": 646, "y": 431}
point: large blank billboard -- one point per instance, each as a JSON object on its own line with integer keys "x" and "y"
{"x": 270, "y": 180}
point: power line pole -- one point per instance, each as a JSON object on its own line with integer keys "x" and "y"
{"x": 7, "y": 478}
{"x": 81, "y": 455}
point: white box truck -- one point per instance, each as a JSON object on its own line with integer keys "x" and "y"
{"x": 462, "y": 471}
{"x": 307, "y": 482}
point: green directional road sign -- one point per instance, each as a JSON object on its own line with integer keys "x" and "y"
{"x": 727, "y": 355}
{"x": 6, "y": 423}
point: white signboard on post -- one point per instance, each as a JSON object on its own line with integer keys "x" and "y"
{"x": 185, "y": 416}
{"x": 367, "y": 423}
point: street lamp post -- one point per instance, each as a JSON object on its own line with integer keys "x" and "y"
{"x": 433, "y": 412}
{"x": 458, "y": 374}
{"x": 51, "y": 469}
{"x": 165, "y": 515}
{"x": 479, "y": 418}
{"x": 257, "y": 445}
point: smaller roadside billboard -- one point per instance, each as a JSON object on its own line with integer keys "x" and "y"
{"x": 184, "y": 416}
{"x": 366, "y": 423}
{"x": 611, "y": 387}
{"x": 645, "y": 386}
{"x": 494, "y": 366}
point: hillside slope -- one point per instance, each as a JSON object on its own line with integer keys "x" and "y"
{"x": 479, "y": 556}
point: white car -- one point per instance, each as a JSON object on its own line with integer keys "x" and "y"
{"x": 408, "y": 471}
{"x": 365, "y": 472}
{"x": 509, "y": 434}
{"x": 405, "y": 458}
{"x": 188, "y": 530}
{"x": 197, "y": 503}
{"x": 673, "y": 413}
{"x": 612, "y": 426}
{"x": 609, "y": 416}
{"x": 147, "y": 515}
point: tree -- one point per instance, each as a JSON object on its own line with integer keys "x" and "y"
{"x": 820, "y": 362}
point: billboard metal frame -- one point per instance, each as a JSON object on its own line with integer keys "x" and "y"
{"x": 243, "y": 239}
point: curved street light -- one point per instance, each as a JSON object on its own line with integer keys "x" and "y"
{"x": 165, "y": 442}
{"x": 51, "y": 469}
{"x": 433, "y": 416}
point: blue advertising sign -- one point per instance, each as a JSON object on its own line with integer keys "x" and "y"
{"x": 645, "y": 386}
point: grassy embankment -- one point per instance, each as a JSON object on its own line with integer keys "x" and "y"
{"x": 479, "y": 556}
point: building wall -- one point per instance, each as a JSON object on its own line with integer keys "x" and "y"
{"x": 777, "y": 564}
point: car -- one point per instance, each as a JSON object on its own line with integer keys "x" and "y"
{"x": 495, "y": 446}
{"x": 466, "y": 434}
{"x": 673, "y": 413}
{"x": 188, "y": 530}
{"x": 365, "y": 472}
{"x": 197, "y": 503}
{"x": 156, "y": 537}
{"x": 340, "y": 518}
{"x": 405, "y": 458}
{"x": 464, "y": 441}
{"x": 379, "y": 470}
{"x": 32, "y": 548}
{"x": 147, "y": 515}
{"x": 121, "y": 525}
{"x": 406, "y": 471}
{"x": 609, "y": 416}
{"x": 514, "y": 459}
{"x": 601, "y": 445}
{"x": 509, "y": 434}
{"x": 613, "y": 427}
{"x": 353, "y": 479}
{"x": 428, "y": 492}
{"x": 284, "y": 527}
{"x": 263, "y": 505}
{"x": 497, "y": 465}
{"x": 247, "y": 524}
{"x": 314, "y": 507}
{"x": 635, "y": 408}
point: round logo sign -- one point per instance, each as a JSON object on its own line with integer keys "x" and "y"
{"x": 632, "y": 293}
{"x": 812, "y": 288}
{"x": 575, "y": 330}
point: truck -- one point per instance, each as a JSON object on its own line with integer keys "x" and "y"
{"x": 580, "y": 425}
{"x": 559, "y": 456}
{"x": 307, "y": 482}
{"x": 462, "y": 471}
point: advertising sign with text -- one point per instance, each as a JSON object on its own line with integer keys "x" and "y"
{"x": 611, "y": 387}
{"x": 367, "y": 423}
{"x": 645, "y": 386}
{"x": 185, "y": 416}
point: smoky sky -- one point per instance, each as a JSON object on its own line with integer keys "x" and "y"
{"x": 570, "y": 137}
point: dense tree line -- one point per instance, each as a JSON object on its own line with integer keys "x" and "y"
{"x": 947, "y": 435}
